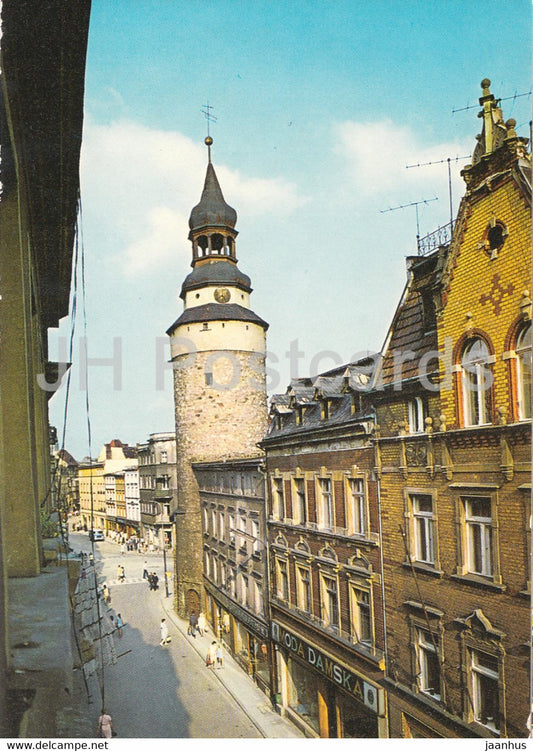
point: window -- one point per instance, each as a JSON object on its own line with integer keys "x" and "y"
{"x": 361, "y": 615}
{"x": 242, "y": 528}
{"x": 232, "y": 583}
{"x": 278, "y": 505}
{"x": 356, "y": 507}
{"x": 303, "y": 589}
{"x": 231, "y": 530}
{"x": 300, "y": 506}
{"x": 477, "y": 382}
{"x": 213, "y": 523}
{"x": 221, "y": 526}
{"x": 485, "y": 689}
{"x": 330, "y": 601}
{"x": 423, "y": 528}
{"x": 259, "y": 600}
{"x": 164, "y": 457}
{"x": 245, "y": 591}
{"x": 256, "y": 543}
{"x": 478, "y": 520}
{"x": 523, "y": 372}
{"x": 416, "y": 415}
{"x": 326, "y": 504}
{"x": 207, "y": 565}
{"x": 428, "y": 663}
{"x": 282, "y": 579}
{"x": 165, "y": 482}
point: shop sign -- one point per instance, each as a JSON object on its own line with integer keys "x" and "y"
{"x": 366, "y": 693}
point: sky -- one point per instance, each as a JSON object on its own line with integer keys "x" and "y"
{"x": 321, "y": 106}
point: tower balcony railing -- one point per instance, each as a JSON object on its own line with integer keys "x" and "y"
{"x": 437, "y": 238}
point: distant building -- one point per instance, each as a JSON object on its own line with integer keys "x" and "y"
{"x": 133, "y": 500}
{"x": 114, "y": 457}
{"x": 158, "y": 488}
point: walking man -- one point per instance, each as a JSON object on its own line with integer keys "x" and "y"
{"x": 145, "y": 570}
{"x": 120, "y": 623}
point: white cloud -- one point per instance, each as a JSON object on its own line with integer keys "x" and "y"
{"x": 139, "y": 182}
{"x": 377, "y": 154}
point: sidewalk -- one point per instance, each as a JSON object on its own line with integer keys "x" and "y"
{"x": 241, "y": 687}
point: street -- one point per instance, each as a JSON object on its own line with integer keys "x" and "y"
{"x": 153, "y": 691}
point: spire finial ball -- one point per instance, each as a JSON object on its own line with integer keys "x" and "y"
{"x": 485, "y": 83}
{"x": 208, "y": 141}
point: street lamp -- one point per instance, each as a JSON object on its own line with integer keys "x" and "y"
{"x": 165, "y": 566}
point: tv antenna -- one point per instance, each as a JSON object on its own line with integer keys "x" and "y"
{"x": 209, "y": 117}
{"x": 505, "y": 99}
{"x": 442, "y": 161}
{"x": 416, "y": 204}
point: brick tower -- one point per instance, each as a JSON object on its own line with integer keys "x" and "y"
{"x": 218, "y": 354}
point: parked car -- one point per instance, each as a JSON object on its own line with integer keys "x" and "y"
{"x": 96, "y": 535}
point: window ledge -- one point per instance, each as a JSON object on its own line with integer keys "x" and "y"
{"x": 479, "y": 581}
{"x": 424, "y": 568}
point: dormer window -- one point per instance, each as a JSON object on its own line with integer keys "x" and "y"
{"x": 324, "y": 409}
{"x": 299, "y": 415}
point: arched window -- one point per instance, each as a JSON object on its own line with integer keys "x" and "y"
{"x": 476, "y": 381}
{"x": 523, "y": 372}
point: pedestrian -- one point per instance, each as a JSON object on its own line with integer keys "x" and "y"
{"x": 193, "y": 624}
{"x": 220, "y": 656}
{"x": 120, "y": 623}
{"x": 201, "y": 624}
{"x": 165, "y": 638}
{"x": 145, "y": 570}
{"x": 106, "y": 593}
{"x": 155, "y": 581}
{"x": 122, "y": 576}
{"x": 119, "y": 571}
{"x": 105, "y": 726}
{"x": 123, "y": 549}
{"x": 210, "y": 660}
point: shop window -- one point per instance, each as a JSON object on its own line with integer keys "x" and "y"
{"x": 361, "y": 615}
{"x": 523, "y": 372}
{"x": 476, "y": 383}
{"x": 303, "y": 588}
{"x": 303, "y": 693}
{"x": 356, "y": 511}
{"x": 282, "y": 579}
{"x": 423, "y": 528}
{"x": 428, "y": 663}
{"x": 478, "y": 528}
{"x": 484, "y": 676}
{"x": 325, "y": 520}
{"x": 329, "y": 593}
{"x": 278, "y": 503}
{"x": 300, "y": 501}
{"x": 416, "y": 415}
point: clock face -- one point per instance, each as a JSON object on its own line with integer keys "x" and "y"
{"x": 222, "y": 294}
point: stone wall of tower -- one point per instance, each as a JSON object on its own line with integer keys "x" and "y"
{"x": 224, "y": 419}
